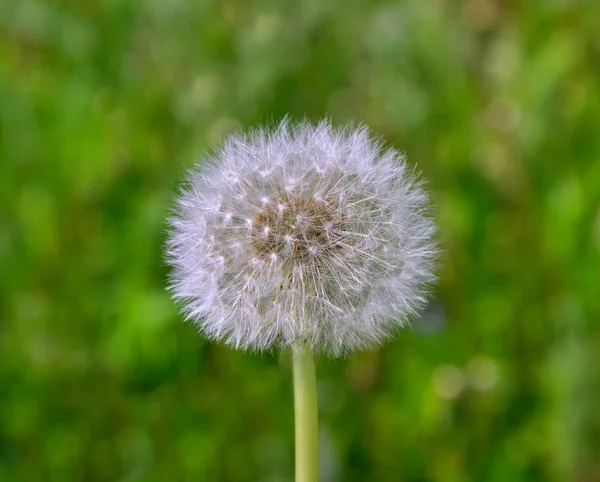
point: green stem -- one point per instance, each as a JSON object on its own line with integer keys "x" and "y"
{"x": 305, "y": 406}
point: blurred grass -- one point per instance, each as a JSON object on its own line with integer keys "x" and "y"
{"x": 103, "y": 105}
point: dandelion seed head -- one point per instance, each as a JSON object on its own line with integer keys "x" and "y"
{"x": 305, "y": 233}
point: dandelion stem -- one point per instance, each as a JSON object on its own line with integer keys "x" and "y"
{"x": 306, "y": 415}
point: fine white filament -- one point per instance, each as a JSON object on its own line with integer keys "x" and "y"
{"x": 305, "y": 233}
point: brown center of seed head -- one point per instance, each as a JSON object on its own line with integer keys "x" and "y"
{"x": 296, "y": 229}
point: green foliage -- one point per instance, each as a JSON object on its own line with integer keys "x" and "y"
{"x": 104, "y": 104}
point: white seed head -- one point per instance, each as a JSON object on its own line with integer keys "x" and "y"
{"x": 306, "y": 234}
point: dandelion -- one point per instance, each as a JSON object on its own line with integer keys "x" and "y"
{"x": 306, "y": 236}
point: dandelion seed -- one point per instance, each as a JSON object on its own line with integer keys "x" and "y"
{"x": 304, "y": 234}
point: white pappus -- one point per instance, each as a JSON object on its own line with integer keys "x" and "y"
{"x": 301, "y": 234}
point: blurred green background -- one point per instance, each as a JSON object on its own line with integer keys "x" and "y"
{"x": 103, "y": 107}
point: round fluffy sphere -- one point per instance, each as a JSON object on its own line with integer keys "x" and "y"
{"x": 303, "y": 234}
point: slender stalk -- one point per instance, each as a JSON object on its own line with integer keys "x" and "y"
{"x": 306, "y": 415}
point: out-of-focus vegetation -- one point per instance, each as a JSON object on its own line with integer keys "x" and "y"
{"x": 105, "y": 104}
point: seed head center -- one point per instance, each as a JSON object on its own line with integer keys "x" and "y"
{"x": 296, "y": 229}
